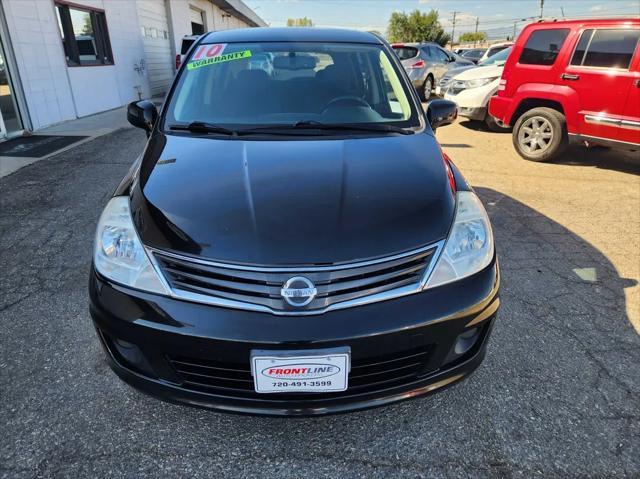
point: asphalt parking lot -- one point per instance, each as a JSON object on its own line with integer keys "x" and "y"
{"x": 558, "y": 394}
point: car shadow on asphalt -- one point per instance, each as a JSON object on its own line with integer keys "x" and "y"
{"x": 476, "y": 125}
{"x": 579, "y": 155}
{"x": 601, "y": 157}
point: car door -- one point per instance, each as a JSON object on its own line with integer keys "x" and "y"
{"x": 599, "y": 72}
{"x": 441, "y": 60}
{"x": 630, "y": 127}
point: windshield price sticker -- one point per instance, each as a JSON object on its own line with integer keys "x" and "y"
{"x": 209, "y": 51}
{"x": 214, "y": 60}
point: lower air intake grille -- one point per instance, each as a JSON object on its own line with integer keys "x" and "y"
{"x": 235, "y": 380}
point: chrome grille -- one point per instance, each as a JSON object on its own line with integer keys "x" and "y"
{"x": 193, "y": 278}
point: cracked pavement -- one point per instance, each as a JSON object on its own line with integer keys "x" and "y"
{"x": 557, "y": 396}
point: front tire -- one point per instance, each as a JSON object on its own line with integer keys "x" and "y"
{"x": 540, "y": 134}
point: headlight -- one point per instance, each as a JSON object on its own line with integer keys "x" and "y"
{"x": 478, "y": 82}
{"x": 118, "y": 253}
{"x": 469, "y": 247}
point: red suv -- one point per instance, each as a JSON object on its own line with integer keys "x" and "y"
{"x": 572, "y": 79}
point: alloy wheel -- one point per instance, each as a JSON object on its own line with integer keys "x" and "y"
{"x": 535, "y": 135}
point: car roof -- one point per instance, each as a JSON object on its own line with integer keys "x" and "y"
{"x": 291, "y": 34}
{"x": 413, "y": 44}
{"x": 590, "y": 21}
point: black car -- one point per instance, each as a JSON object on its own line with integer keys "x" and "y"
{"x": 475, "y": 54}
{"x": 293, "y": 241}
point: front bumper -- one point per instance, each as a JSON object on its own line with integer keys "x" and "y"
{"x": 472, "y": 103}
{"x": 199, "y": 354}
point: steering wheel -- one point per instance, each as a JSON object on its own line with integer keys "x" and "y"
{"x": 348, "y": 100}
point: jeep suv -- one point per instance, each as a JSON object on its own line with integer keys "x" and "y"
{"x": 577, "y": 80}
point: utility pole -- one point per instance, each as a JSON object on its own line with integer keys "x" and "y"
{"x": 453, "y": 28}
{"x": 514, "y": 31}
{"x": 477, "y": 21}
{"x": 541, "y": 8}
{"x": 562, "y": 10}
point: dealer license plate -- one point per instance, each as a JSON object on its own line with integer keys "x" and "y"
{"x": 325, "y": 370}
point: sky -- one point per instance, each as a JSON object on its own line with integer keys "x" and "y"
{"x": 496, "y": 17}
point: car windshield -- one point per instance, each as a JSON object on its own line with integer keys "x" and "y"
{"x": 499, "y": 58}
{"x": 245, "y": 85}
{"x": 473, "y": 53}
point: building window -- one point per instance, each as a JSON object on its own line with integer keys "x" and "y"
{"x": 198, "y": 23}
{"x": 543, "y": 46}
{"x": 84, "y": 35}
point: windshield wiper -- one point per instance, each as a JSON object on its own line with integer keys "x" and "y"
{"x": 317, "y": 125}
{"x": 203, "y": 127}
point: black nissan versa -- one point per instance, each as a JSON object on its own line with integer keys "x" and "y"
{"x": 292, "y": 240}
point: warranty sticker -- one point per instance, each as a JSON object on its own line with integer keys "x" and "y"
{"x": 219, "y": 59}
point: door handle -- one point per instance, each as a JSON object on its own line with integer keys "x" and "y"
{"x": 570, "y": 76}
{"x": 637, "y": 83}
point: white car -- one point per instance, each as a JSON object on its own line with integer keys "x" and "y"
{"x": 494, "y": 50}
{"x": 473, "y": 88}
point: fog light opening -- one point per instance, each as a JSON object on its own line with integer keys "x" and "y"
{"x": 132, "y": 356}
{"x": 466, "y": 341}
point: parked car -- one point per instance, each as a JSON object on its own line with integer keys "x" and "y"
{"x": 426, "y": 63}
{"x": 275, "y": 252}
{"x": 443, "y": 84}
{"x": 474, "y": 55}
{"x": 575, "y": 80}
{"x": 471, "y": 89}
{"x": 185, "y": 44}
{"x": 493, "y": 49}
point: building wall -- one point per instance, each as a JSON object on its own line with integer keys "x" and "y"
{"x": 40, "y": 58}
{"x": 216, "y": 19}
{"x": 53, "y": 91}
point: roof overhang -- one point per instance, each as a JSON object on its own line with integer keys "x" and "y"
{"x": 238, "y": 9}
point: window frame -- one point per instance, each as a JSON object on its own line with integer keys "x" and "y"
{"x": 100, "y": 34}
{"x": 586, "y": 51}
{"x": 417, "y": 117}
{"x": 535, "y": 31}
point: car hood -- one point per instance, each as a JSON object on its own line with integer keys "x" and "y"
{"x": 480, "y": 72}
{"x": 456, "y": 71}
{"x": 302, "y": 201}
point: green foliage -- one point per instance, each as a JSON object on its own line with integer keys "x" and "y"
{"x": 299, "y": 22}
{"x": 417, "y": 27}
{"x": 472, "y": 37}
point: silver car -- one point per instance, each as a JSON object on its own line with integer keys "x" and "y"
{"x": 426, "y": 64}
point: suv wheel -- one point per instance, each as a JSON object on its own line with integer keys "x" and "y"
{"x": 496, "y": 125}
{"x": 428, "y": 88}
{"x": 540, "y": 134}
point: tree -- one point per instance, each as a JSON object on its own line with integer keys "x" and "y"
{"x": 472, "y": 37}
{"x": 417, "y": 27}
{"x": 299, "y": 22}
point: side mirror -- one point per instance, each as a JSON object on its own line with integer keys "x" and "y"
{"x": 441, "y": 112}
{"x": 142, "y": 114}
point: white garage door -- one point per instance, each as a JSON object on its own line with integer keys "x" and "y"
{"x": 154, "y": 27}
